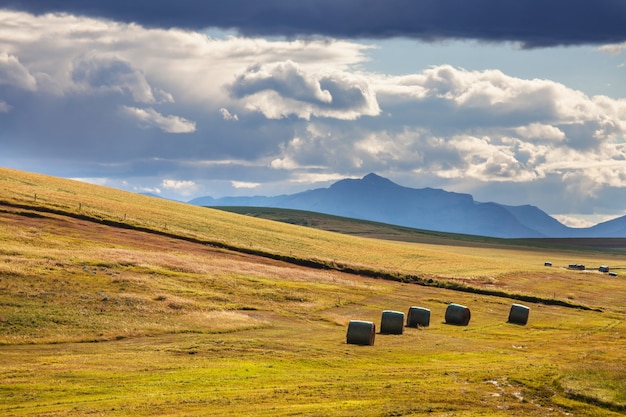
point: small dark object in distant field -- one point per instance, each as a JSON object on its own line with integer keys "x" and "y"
{"x": 418, "y": 317}
{"x": 392, "y": 322}
{"x": 519, "y": 314}
{"x": 361, "y": 333}
{"x": 458, "y": 314}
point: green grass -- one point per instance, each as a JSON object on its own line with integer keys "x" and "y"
{"x": 103, "y": 313}
{"x": 377, "y": 230}
{"x": 357, "y": 227}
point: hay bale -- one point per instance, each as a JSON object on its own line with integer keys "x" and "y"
{"x": 519, "y": 314}
{"x": 361, "y": 333}
{"x": 458, "y": 314}
{"x": 392, "y": 322}
{"x": 418, "y": 317}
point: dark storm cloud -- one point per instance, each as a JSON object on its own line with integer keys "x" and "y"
{"x": 534, "y": 23}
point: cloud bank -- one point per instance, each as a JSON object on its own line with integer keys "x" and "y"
{"x": 183, "y": 113}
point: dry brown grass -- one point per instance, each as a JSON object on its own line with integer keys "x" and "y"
{"x": 488, "y": 261}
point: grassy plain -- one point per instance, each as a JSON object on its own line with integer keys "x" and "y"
{"x": 118, "y": 304}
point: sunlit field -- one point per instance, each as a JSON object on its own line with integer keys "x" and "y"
{"x": 118, "y": 304}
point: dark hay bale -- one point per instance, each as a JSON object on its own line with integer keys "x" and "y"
{"x": 458, "y": 315}
{"x": 418, "y": 317}
{"x": 392, "y": 322}
{"x": 361, "y": 333}
{"x": 519, "y": 314}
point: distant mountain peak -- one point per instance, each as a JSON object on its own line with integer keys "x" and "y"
{"x": 379, "y": 199}
{"x": 370, "y": 181}
{"x": 376, "y": 179}
{"x": 371, "y": 176}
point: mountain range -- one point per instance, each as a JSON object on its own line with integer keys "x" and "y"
{"x": 379, "y": 199}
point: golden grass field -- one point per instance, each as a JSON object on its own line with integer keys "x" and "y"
{"x": 118, "y": 304}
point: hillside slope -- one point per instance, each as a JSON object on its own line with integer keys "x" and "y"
{"x": 386, "y": 231}
{"x": 215, "y": 227}
{"x": 124, "y": 305}
{"x": 272, "y": 239}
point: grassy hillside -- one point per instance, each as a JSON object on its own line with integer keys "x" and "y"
{"x": 490, "y": 264}
{"x": 357, "y": 227}
{"x": 377, "y": 230}
{"x": 117, "y": 304}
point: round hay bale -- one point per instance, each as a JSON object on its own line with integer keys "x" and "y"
{"x": 392, "y": 322}
{"x": 361, "y": 333}
{"x": 458, "y": 314}
{"x": 418, "y": 317}
{"x": 519, "y": 314}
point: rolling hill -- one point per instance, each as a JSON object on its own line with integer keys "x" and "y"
{"x": 113, "y": 303}
{"x": 386, "y": 231}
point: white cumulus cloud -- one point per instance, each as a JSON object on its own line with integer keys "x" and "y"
{"x": 112, "y": 74}
{"x": 614, "y": 48}
{"x": 244, "y": 184}
{"x": 151, "y": 118}
{"x": 286, "y": 88}
{"x": 184, "y": 187}
{"x": 226, "y": 115}
{"x": 14, "y": 74}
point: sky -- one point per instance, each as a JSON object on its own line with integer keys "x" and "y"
{"x": 515, "y": 102}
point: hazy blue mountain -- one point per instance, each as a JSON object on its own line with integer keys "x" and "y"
{"x": 379, "y": 199}
{"x": 611, "y": 228}
{"x": 539, "y": 220}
